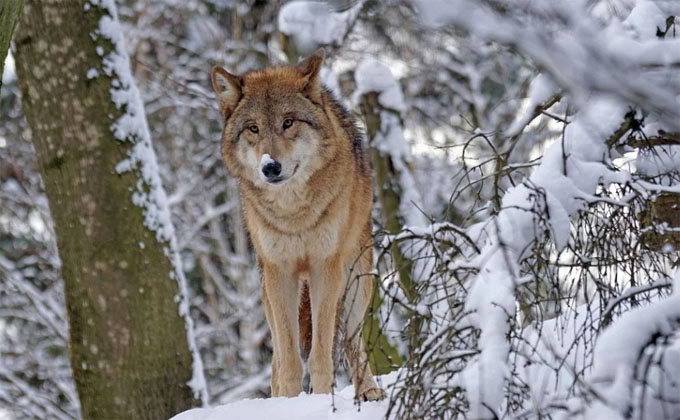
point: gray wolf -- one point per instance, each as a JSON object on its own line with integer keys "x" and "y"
{"x": 306, "y": 193}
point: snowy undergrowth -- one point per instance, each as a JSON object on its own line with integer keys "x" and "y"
{"x": 571, "y": 173}
{"x": 150, "y": 194}
{"x": 626, "y": 366}
{"x": 567, "y": 184}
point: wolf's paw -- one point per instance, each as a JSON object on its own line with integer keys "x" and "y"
{"x": 290, "y": 389}
{"x": 371, "y": 394}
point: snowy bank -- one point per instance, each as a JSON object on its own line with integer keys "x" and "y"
{"x": 341, "y": 406}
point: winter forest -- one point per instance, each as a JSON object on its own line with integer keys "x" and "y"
{"x": 525, "y": 162}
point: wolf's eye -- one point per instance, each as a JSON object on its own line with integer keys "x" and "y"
{"x": 254, "y": 129}
{"x": 287, "y": 123}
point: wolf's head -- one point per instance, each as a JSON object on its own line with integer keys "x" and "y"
{"x": 275, "y": 129}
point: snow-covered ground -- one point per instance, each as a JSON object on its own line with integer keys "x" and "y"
{"x": 340, "y": 406}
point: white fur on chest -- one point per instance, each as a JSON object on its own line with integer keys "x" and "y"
{"x": 319, "y": 242}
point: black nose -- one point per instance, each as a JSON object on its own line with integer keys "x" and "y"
{"x": 272, "y": 169}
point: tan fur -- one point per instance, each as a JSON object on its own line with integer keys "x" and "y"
{"x": 310, "y": 230}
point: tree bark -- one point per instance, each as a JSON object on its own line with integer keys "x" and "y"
{"x": 389, "y": 191}
{"x": 389, "y": 194}
{"x": 385, "y": 357}
{"x": 129, "y": 350}
{"x": 10, "y": 10}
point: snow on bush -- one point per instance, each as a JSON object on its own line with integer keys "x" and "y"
{"x": 597, "y": 66}
{"x": 625, "y": 354}
{"x": 581, "y": 54}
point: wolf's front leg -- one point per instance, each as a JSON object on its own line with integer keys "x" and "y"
{"x": 325, "y": 286}
{"x": 272, "y": 329}
{"x": 282, "y": 292}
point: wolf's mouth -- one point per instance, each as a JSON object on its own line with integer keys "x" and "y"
{"x": 281, "y": 180}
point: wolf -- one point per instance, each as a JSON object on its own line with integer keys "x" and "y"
{"x": 306, "y": 193}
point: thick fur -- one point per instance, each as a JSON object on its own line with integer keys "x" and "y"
{"x": 311, "y": 230}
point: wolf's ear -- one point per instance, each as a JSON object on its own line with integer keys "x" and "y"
{"x": 228, "y": 89}
{"x": 309, "y": 69}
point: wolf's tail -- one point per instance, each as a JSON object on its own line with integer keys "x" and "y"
{"x": 305, "y": 326}
{"x": 305, "y": 322}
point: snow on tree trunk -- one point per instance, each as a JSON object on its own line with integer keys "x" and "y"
{"x": 125, "y": 290}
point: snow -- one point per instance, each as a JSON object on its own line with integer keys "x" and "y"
{"x": 659, "y": 160}
{"x": 340, "y": 406}
{"x": 330, "y": 80}
{"x": 312, "y": 24}
{"x": 374, "y": 76}
{"x": 620, "y": 348}
{"x": 149, "y": 194}
{"x": 581, "y": 55}
{"x": 266, "y": 159}
{"x": 562, "y": 344}
{"x": 491, "y": 298}
{"x": 92, "y": 73}
{"x": 9, "y": 71}
{"x": 48, "y": 317}
{"x": 540, "y": 90}
{"x": 644, "y": 19}
{"x": 579, "y": 60}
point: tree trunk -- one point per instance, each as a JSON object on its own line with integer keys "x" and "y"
{"x": 389, "y": 194}
{"x": 389, "y": 191}
{"x": 129, "y": 350}
{"x": 10, "y": 10}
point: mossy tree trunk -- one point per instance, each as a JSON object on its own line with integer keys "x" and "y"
{"x": 390, "y": 197}
{"x": 10, "y": 10}
{"x": 389, "y": 191}
{"x": 129, "y": 350}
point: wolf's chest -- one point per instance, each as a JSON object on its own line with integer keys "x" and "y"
{"x": 319, "y": 241}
